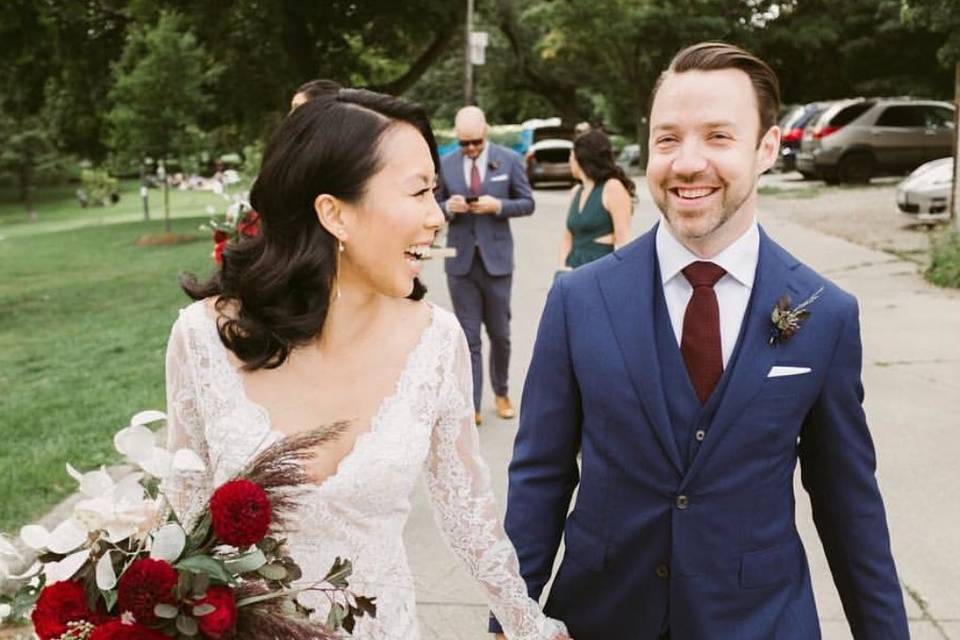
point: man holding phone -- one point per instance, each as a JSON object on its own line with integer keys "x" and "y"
{"x": 482, "y": 186}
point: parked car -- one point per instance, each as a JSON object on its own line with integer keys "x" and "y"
{"x": 855, "y": 140}
{"x": 548, "y": 158}
{"x": 925, "y": 194}
{"x": 792, "y": 126}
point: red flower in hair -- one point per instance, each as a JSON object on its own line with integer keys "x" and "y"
{"x": 218, "y": 251}
{"x": 117, "y": 630}
{"x": 220, "y": 236}
{"x": 145, "y": 584}
{"x": 219, "y": 622}
{"x": 250, "y": 225}
{"x": 58, "y": 604}
{"x": 241, "y": 513}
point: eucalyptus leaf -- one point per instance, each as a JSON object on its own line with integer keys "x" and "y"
{"x": 166, "y": 611}
{"x": 272, "y": 572}
{"x": 203, "y": 609}
{"x": 168, "y": 543}
{"x": 187, "y": 625}
{"x": 205, "y": 565}
{"x": 106, "y": 575}
{"x": 247, "y": 563}
{"x": 201, "y": 583}
{"x": 110, "y": 599}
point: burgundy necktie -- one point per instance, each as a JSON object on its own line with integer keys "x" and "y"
{"x": 474, "y": 178}
{"x": 700, "y": 343}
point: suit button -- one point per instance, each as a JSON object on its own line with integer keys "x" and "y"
{"x": 663, "y": 571}
{"x": 682, "y": 502}
{"x": 700, "y": 435}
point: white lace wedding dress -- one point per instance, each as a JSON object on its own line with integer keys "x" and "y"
{"x": 360, "y": 512}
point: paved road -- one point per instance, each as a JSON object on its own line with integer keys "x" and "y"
{"x": 912, "y": 362}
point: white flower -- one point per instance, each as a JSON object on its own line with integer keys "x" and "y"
{"x": 138, "y": 444}
{"x": 7, "y": 553}
{"x": 123, "y": 510}
{"x": 5, "y": 611}
{"x": 66, "y": 568}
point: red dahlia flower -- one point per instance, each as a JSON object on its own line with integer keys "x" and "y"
{"x": 218, "y": 251}
{"x": 241, "y": 513}
{"x": 219, "y": 622}
{"x": 60, "y": 603}
{"x": 117, "y": 630}
{"x": 145, "y": 584}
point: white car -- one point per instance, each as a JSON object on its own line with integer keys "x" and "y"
{"x": 925, "y": 194}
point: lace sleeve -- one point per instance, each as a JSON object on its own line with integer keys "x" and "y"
{"x": 465, "y": 509}
{"x": 186, "y": 492}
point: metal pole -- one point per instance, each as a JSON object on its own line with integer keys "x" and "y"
{"x": 954, "y": 214}
{"x": 467, "y": 64}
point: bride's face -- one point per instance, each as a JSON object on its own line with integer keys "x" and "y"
{"x": 397, "y": 213}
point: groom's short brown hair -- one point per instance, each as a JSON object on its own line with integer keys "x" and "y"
{"x": 714, "y": 56}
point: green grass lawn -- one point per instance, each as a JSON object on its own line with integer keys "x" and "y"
{"x": 84, "y": 317}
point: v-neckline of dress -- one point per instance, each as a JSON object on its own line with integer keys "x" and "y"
{"x": 373, "y": 426}
{"x": 581, "y": 201}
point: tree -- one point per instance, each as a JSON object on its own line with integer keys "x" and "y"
{"x": 27, "y": 152}
{"x": 939, "y": 16}
{"x": 159, "y": 94}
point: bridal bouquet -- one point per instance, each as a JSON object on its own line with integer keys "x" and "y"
{"x": 124, "y": 567}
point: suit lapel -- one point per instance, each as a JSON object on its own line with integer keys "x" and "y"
{"x": 754, "y": 355}
{"x": 628, "y": 293}
{"x": 455, "y": 179}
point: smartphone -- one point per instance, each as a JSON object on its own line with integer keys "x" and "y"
{"x": 471, "y": 199}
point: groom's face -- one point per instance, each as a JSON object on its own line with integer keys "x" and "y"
{"x": 705, "y": 159}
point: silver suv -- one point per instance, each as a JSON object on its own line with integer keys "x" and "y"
{"x": 854, "y": 140}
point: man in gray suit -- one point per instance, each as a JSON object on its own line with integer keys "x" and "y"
{"x": 482, "y": 186}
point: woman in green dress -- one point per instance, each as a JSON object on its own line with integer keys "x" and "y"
{"x": 600, "y": 207}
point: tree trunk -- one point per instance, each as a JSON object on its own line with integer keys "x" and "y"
{"x": 26, "y": 191}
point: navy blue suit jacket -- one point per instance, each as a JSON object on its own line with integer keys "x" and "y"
{"x": 724, "y": 561}
{"x": 506, "y": 180}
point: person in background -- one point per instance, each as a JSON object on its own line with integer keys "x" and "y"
{"x": 481, "y": 187}
{"x": 600, "y": 207}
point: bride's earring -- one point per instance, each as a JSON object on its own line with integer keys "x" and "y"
{"x": 339, "y": 251}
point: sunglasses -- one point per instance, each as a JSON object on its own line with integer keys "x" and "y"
{"x": 471, "y": 143}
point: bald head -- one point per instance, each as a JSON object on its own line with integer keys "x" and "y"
{"x": 471, "y": 125}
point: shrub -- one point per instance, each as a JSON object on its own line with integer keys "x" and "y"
{"x": 944, "y": 268}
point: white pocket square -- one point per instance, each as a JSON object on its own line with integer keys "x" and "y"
{"x": 499, "y": 178}
{"x": 777, "y": 371}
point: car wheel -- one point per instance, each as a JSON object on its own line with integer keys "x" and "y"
{"x": 856, "y": 168}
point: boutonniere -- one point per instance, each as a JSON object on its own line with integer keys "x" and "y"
{"x": 493, "y": 165}
{"x": 786, "y": 321}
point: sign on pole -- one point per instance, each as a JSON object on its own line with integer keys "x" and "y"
{"x": 478, "y": 46}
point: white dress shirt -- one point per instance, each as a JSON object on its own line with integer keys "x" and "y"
{"x": 481, "y": 165}
{"x": 739, "y": 260}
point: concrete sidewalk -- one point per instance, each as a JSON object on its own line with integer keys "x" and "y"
{"x": 911, "y": 366}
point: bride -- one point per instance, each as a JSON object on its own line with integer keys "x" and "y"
{"x": 309, "y": 323}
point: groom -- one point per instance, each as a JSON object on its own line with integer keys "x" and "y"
{"x": 662, "y": 367}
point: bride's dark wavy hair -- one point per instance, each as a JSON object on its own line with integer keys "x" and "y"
{"x": 594, "y": 154}
{"x": 283, "y": 277}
